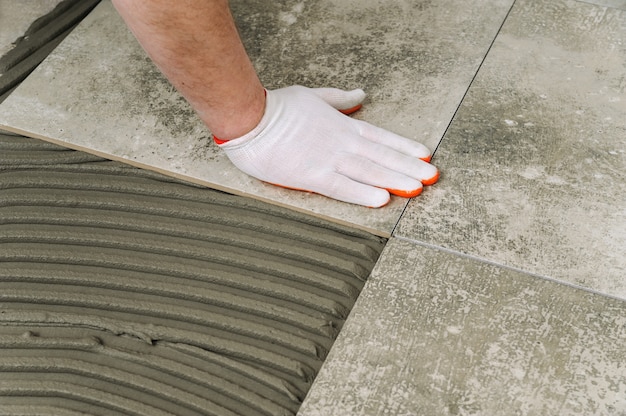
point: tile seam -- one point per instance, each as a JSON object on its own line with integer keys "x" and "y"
{"x": 469, "y": 86}
{"x": 456, "y": 110}
{"x": 506, "y": 267}
{"x": 596, "y": 4}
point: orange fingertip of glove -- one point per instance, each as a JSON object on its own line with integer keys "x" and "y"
{"x": 431, "y": 181}
{"x": 426, "y": 159}
{"x": 352, "y": 110}
{"x": 414, "y": 192}
{"x": 404, "y": 193}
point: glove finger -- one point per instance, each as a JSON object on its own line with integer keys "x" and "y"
{"x": 394, "y": 160}
{"x": 401, "y": 144}
{"x": 364, "y": 170}
{"x": 345, "y": 101}
{"x": 344, "y": 189}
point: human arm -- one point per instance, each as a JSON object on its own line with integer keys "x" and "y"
{"x": 197, "y": 47}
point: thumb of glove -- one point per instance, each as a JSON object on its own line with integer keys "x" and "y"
{"x": 345, "y": 101}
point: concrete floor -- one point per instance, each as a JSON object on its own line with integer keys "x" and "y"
{"x": 502, "y": 290}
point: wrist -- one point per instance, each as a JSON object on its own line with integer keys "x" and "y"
{"x": 238, "y": 117}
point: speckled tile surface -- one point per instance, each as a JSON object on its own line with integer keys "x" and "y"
{"x": 111, "y": 101}
{"x": 415, "y": 59}
{"x": 434, "y": 333}
{"x": 534, "y": 164}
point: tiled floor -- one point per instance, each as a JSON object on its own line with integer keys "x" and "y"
{"x": 502, "y": 290}
{"x": 535, "y": 160}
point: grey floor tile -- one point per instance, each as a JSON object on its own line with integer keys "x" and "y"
{"x": 16, "y": 18}
{"x": 114, "y": 103}
{"x": 434, "y": 333}
{"x": 414, "y": 59}
{"x": 534, "y": 164}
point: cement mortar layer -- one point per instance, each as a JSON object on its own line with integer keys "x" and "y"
{"x": 15, "y": 19}
{"x": 38, "y": 40}
{"x": 123, "y": 291}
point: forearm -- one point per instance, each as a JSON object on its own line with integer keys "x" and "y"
{"x": 197, "y": 47}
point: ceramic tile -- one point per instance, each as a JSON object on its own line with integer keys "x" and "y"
{"x": 16, "y": 18}
{"x": 534, "y": 164}
{"x": 435, "y": 333}
{"x": 414, "y": 59}
{"x": 111, "y": 101}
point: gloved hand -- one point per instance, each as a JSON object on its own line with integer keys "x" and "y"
{"x": 303, "y": 142}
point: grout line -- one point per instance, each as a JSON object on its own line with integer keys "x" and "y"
{"x": 600, "y": 4}
{"x": 469, "y": 86}
{"x": 507, "y": 267}
{"x": 393, "y": 231}
{"x": 506, "y": 17}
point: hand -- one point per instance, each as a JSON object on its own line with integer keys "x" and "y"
{"x": 304, "y": 143}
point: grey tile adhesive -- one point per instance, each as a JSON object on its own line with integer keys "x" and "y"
{"x": 126, "y": 292}
{"x": 40, "y": 39}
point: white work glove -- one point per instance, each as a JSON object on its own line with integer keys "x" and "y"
{"x": 303, "y": 142}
